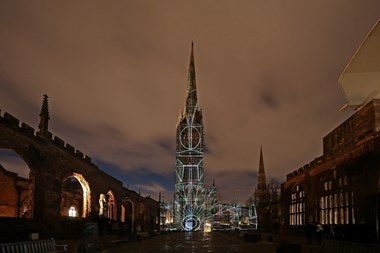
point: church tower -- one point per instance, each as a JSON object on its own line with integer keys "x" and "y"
{"x": 261, "y": 195}
{"x": 189, "y": 196}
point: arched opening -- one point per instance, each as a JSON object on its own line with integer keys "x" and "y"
{"x": 112, "y": 208}
{"x": 75, "y": 196}
{"x": 122, "y": 214}
{"x": 129, "y": 213}
{"x": 17, "y": 182}
{"x": 72, "y": 195}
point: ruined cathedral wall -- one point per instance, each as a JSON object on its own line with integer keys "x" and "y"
{"x": 9, "y": 121}
{"x": 51, "y": 160}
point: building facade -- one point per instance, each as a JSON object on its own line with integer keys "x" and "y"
{"x": 341, "y": 188}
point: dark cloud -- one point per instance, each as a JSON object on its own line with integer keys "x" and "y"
{"x": 166, "y": 143}
{"x": 150, "y": 181}
{"x": 269, "y": 100}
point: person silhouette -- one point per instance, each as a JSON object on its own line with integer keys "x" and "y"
{"x": 319, "y": 232}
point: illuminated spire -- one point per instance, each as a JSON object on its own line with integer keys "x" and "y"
{"x": 44, "y": 117}
{"x": 191, "y": 100}
{"x": 190, "y": 194}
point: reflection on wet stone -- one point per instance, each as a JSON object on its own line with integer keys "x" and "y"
{"x": 195, "y": 242}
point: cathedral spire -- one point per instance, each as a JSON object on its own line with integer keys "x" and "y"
{"x": 191, "y": 100}
{"x": 189, "y": 197}
{"x": 44, "y": 117}
{"x": 261, "y": 162}
{"x": 262, "y": 181}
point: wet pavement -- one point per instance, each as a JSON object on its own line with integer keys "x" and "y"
{"x": 199, "y": 242}
{"x": 194, "y": 242}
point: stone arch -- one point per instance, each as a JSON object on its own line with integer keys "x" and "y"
{"x": 76, "y": 192}
{"x": 122, "y": 213}
{"x": 112, "y": 205}
{"x": 26, "y": 206}
{"x": 17, "y": 180}
{"x": 129, "y": 213}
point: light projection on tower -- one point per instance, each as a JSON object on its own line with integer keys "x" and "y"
{"x": 195, "y": 207}
{"x": 189, "y": 208}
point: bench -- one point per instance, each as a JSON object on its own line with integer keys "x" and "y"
{"x": 38, "y": 246}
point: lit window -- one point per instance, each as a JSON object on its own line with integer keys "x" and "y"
{"x": 297, "y": 206}
{"x": 323, "y": 216}
{"x": 72, "y": 211}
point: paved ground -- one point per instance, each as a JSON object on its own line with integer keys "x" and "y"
{"x": 202, "y": 242}
{"x": 194, "y": 242}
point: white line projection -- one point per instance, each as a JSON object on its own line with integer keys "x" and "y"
{"x": 196, "y": 207}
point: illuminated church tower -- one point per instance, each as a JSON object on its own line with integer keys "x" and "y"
{"x": 189, "y": 198}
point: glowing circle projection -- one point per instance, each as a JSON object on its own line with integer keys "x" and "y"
{"x": 191, "y": 223}
{"x": 190, "y": 137}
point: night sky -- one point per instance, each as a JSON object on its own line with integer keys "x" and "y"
{"x": 116, "y": 73}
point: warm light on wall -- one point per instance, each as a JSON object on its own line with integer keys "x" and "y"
{"x": 208, "y": 226}
{"x": 86, "y": 194}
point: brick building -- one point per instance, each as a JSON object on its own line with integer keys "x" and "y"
{"x": 341, "y": 188}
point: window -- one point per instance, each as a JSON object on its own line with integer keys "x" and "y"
{"x": 337, "y": 200}
{"x": 297, "y": 206}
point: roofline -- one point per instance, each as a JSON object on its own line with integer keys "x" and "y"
{"x": 358, "y": 49}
